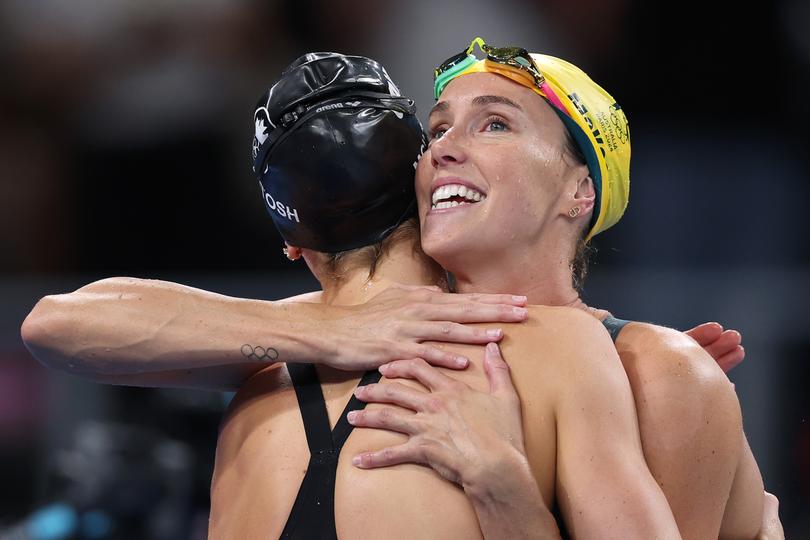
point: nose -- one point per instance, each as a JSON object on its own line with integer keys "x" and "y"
{"x": 448, "y": 150}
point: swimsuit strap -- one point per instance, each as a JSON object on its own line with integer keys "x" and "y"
{"x": 614, "y": 326}
{"x": 313, "y": 513}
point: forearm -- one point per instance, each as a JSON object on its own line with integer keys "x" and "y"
{"x": 125, "y": 326}
{"x": 509, "y": 504}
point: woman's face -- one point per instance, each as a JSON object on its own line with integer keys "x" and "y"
{"x": 495, "y": 176}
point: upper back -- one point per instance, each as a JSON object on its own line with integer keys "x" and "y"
{"x": 262, "y": 453}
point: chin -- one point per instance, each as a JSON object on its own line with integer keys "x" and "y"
{"x": 449, "y": 252}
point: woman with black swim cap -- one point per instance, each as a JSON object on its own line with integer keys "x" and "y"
{"x": 291, "y": 211}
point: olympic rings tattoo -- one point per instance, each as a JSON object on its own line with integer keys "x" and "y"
{"x": 263, "y": 354}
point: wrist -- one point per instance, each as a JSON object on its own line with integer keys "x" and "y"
{"x": 509, "y": 503}
{"x": 317, "y": 333}
{"x": 498, "y": 478}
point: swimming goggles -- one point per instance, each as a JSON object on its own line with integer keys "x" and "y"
{"x": 516, "y": 58}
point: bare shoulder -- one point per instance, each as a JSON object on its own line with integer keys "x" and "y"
{"x": 564, "y": 322}
{"x": 261, "y": 386}
{"x": 565, "y": 343}
{"x": 313, "y": 297}
{"x": 666, "y": 367}
{"x": 668, "y": 351}
{"x": 565, "y": 328}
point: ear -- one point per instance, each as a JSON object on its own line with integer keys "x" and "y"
{"x": 292, "y": 252}
{"x": 584, "y": 198}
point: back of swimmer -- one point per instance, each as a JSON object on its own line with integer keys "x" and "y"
{"x": 271, "y": 454}
{"x": 333, "y": 150}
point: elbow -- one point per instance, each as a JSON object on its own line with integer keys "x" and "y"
{"x": 38, "y": 325}
{"x": 59, "y": 325}
{"x": 44, "y": 331}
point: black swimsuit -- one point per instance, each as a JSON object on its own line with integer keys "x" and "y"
{"x": 313, "y": 513}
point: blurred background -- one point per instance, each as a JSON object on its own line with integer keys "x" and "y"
{"x": 125, "y": 131}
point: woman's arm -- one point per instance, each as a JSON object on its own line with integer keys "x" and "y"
{"x": 604, "y": 487}
{"x": 157, "y": 333}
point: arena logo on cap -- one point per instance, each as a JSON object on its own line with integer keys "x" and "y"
{"x": 281, "y": 209}
{"x": 332, "y": 106}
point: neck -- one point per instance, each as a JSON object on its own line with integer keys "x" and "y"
{"x": 542, "y": 273}
{"x": 403, "y": 263}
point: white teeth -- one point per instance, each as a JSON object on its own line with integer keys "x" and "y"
{"x": 454, "y": 190}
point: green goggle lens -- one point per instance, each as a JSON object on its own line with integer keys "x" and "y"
{"x": 443, "y": 75}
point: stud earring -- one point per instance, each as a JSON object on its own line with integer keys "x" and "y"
{"x": 574, "y": 212}
{"x": 287, "y": 254}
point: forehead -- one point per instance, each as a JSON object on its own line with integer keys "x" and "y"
{"x": 463, "y": 91}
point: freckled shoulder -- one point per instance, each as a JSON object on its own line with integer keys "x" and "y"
{"x": 668, "y": 350}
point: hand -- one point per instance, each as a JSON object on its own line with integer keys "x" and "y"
{"x": 394, "y": 324}
{"x": 771, "y": 526}
{"x": 723, "y": 345}
{"x": 458, "y": 431}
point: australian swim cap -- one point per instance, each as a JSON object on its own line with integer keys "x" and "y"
{"x": 334, "y": 150}
{"x": 593, "y": 118}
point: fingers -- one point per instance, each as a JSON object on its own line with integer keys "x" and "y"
{"x": 730, "y": 360}
{"x": 437, "y": 357}
{"x": 705, "y": 333}
{"x": 728, "y": 342}
{"x": 385, "y": 418}
{"x": 395, "y": 393}
{"x": 419, "y": 370}
{"x": 470, "y": 312}
{"x": 497, "y": 371}
{"x": 479, "y": 298}
{"x": 394, "y": 455}
{"x": 451, "y": 332}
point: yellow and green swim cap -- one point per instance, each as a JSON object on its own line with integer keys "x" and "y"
{"x": 594, "y": 119}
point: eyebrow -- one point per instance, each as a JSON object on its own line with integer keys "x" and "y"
{"x": 479, "y": 101}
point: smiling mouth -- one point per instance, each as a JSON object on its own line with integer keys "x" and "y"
{"x": 450, "y": 195}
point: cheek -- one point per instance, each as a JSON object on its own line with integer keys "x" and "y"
{"x": 422, "y": 180}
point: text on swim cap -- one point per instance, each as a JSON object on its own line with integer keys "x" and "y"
{"x": 337, "y": 106}
{"x": 282, "y": 209}
{"x": 597, "y": 135}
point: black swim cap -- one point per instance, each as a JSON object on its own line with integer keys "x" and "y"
{"x": 334, "y": 150}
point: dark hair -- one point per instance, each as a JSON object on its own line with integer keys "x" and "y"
{"x": 584, "y": 251}
{"x": 337, "y": 264}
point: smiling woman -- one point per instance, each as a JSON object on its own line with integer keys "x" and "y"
{"x": 503, "y": 128}
{"x": 563, "y": 432}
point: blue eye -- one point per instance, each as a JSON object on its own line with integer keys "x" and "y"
{"x": 496, "y": 124}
